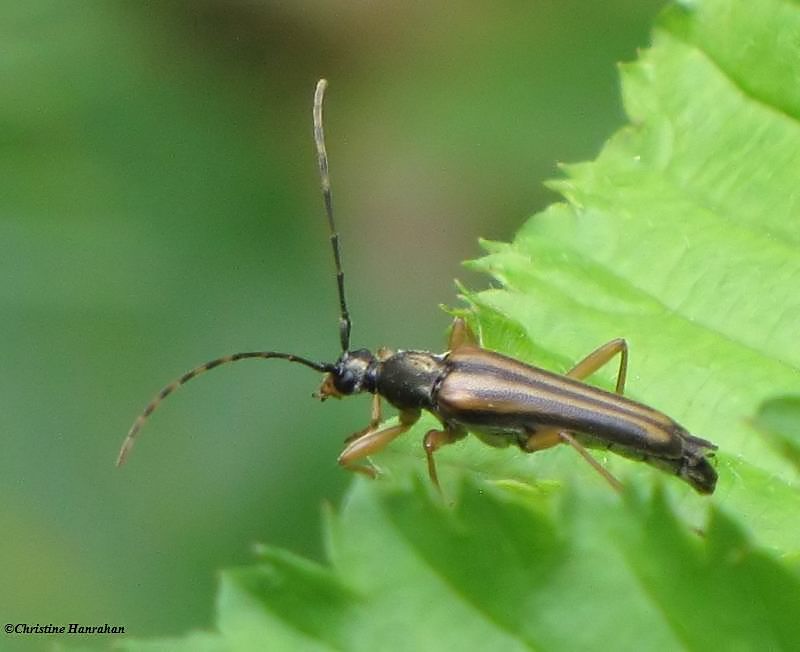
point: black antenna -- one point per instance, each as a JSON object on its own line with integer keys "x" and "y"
{"x": 127, "y": 445}
{"x": 322, "y": 158}
{"x": 344, "y": 320}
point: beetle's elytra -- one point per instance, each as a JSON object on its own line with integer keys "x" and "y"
{"x": 501, "y": 400}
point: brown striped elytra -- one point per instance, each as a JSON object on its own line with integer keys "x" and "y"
{"x": 501, "y": 400}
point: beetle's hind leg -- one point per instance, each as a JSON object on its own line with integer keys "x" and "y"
{"x": 600, "y": 356}
{"x": 543, "y": 438}
{"x": 372, "y": 440}
{"x": 547, "y": 437}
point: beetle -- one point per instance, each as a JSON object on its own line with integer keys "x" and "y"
{"x": 503, "y": 401}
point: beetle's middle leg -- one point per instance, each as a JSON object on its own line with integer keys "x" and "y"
{"x": 373, "y": 440}
{"x": 434, "y": 440}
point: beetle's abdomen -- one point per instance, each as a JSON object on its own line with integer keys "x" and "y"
{"x": 483, "y": 390}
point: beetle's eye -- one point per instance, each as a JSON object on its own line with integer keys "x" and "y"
{"x": 345, "y": 382}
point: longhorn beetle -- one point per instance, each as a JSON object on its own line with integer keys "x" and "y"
{"x": 470, "y": 389}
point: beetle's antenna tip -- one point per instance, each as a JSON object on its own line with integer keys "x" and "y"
{"x": 123, "y": 454}
{"x": 325, "y": 182}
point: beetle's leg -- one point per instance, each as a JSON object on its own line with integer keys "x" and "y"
{"x": 374, "y": 440}
{"x": 383, "y": 353}
{"x": 569, "y": 439}
{"x": 549, "y": 437}
{"x": 434, "y": 440}
{"x": 461, "y": 335}
{"x": 540, "y": 439}
{"x": 601, "y": 356}
{"x": 374, "y": 420}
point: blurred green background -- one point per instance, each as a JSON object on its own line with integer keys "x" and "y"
{"x": 159, "y": 206}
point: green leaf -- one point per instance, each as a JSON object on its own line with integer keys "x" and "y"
{"x": 779, "y": 421}
{"x": 682, "y": 237}
{"x": 512, "y": 568}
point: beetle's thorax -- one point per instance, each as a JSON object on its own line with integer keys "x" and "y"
{"x": 408, "y": 379}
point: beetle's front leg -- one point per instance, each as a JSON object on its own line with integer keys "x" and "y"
{"x": 461, "y": 335}
{"x": 373, "y": 440}
{"x": 434, "y": 440}
{"x": 374, "y": 420}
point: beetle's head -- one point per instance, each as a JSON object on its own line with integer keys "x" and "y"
{"x": 352, "y": 373}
